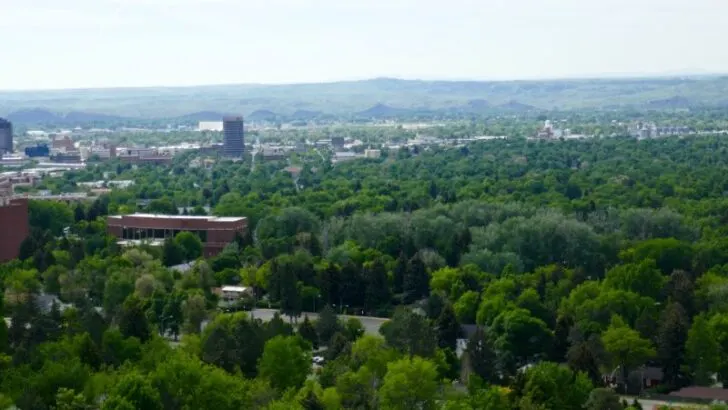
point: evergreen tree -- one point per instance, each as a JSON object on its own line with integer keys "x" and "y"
{"x": 327, "y": 325}
{"x": 410, "y": 333}
{"x": 416, "y": 280}
{"x": 561, "y": 343}
{"x": 586, "y": 356}
{"x": 79, "y": 214}
{"x": 308, "y": 332}
{"x": 4, "y": 340}
{"x": 88, "y": 351}
{"x": 680, "y": 289}
{"x": 400, "y": 271}
{"x": 672, "y": 335}
{"x": 133, "y": 321}
{"x": 339, "y": 345}
{"x": 20, "y": 321}
{"x": 172, "y": 253}
{"x": 291, "y": 302}
{"x": 377, "y": 286}
{"x": 448, "y": 328}
{"x": 172, "y": 315}
{"x": 481, "y": 356}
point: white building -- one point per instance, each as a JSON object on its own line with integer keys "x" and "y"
{"x": 372, "y": 153}
{"x": 232, "y": 294}
{"x": 209, "y": 126}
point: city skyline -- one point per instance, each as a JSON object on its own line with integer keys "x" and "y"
{"x": 112, "y": 43}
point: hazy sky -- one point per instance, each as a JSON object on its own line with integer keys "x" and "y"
{"x": 117, "y": 43}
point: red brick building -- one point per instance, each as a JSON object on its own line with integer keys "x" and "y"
{"x": 13, "y": 226}
{"x": 214, "y": 232}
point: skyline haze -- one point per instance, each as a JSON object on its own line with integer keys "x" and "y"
{"x": 138, "y": 43}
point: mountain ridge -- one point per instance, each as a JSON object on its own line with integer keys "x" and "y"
{"x": 347, "y": 98}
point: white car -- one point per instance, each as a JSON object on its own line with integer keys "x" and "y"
{"x": 318, "y": 359}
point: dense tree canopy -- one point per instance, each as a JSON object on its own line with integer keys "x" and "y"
{"x": 527, "y": 272}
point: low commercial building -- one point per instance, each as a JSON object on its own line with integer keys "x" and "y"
{"x": 214, "y": 232}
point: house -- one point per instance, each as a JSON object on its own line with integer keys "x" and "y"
{"x": 230, "y": 294}
{"x": 650, "y": 376}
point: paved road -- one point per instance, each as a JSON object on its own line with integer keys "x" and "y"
{"x": 655, "y": 404}
{"x": 371, "y": 324}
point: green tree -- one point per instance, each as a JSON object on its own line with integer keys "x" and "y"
{"x": 521, "y": 335}
{"x": 410, "y": 333}
{"x": 643, "y": 278}
{"x": 603, "y": 399}
{"x": 284, "y": 362}
{"x": 67, "y": 399}
{"x": 195, "y": 311}
{"x": 416, "y": 280}
{"x": 172, "y": 313}
{"x": 353, "y": 329}
{"x": 719, "y": 330}
{"x": 377, "y": 287}
{"x": 133, "y": 320}
{"x": 672, "y": 335}
{"x": 308, "y": 332}
{"x": 137, "y": 391}
{"x": 702, "y": 351}
{"x": 555, "y": 387}
{"x": 481, "y": 356}
{"x": 357, "y": 389}
{"x": 172, "y": 253}
{"x": 410, "y": 383}
{"x": 448, "y": 328}
{"x": 586, "y": 355}
{"x": 466, "y": 307}
{"x": 190, "y": 244}
{"x": 327, "y": 324}
{"x": 625, "y": 346}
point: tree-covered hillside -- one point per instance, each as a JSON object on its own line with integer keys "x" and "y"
{"x": 376, "y": 97}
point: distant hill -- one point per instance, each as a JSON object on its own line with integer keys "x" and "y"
{"x": 375, "y": 98}
{"x": 478, "y": 104}
{"x": 262, "y": 115}
{"x": 202, "y": 116}
{"x": 42, "y": 116}
{"x": 85, "y": 117}
{"x": 305, "y": 115}
{"x": 33, "y": 116}
{"x": 670, "y": 103}
{"x": 516, "y": 106}
{"x": 381, "y": 111}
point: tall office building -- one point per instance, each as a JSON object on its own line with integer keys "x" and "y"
{"x": 6, "y": 136}
{"x": 234, "y": 144}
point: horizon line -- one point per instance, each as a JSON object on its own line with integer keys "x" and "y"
{"x": 586, "y": 77}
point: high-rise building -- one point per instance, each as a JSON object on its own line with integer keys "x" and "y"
{"x": 6, "y": 136}
{"x": 234, "y": 144}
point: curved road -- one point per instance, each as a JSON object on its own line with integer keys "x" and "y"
{"x": 371, "y": 324}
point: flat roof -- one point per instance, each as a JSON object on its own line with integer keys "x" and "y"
{"x": 234, "y": 288}
{"x": 137, "y": 242}
{"x": 184, "y": 217}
